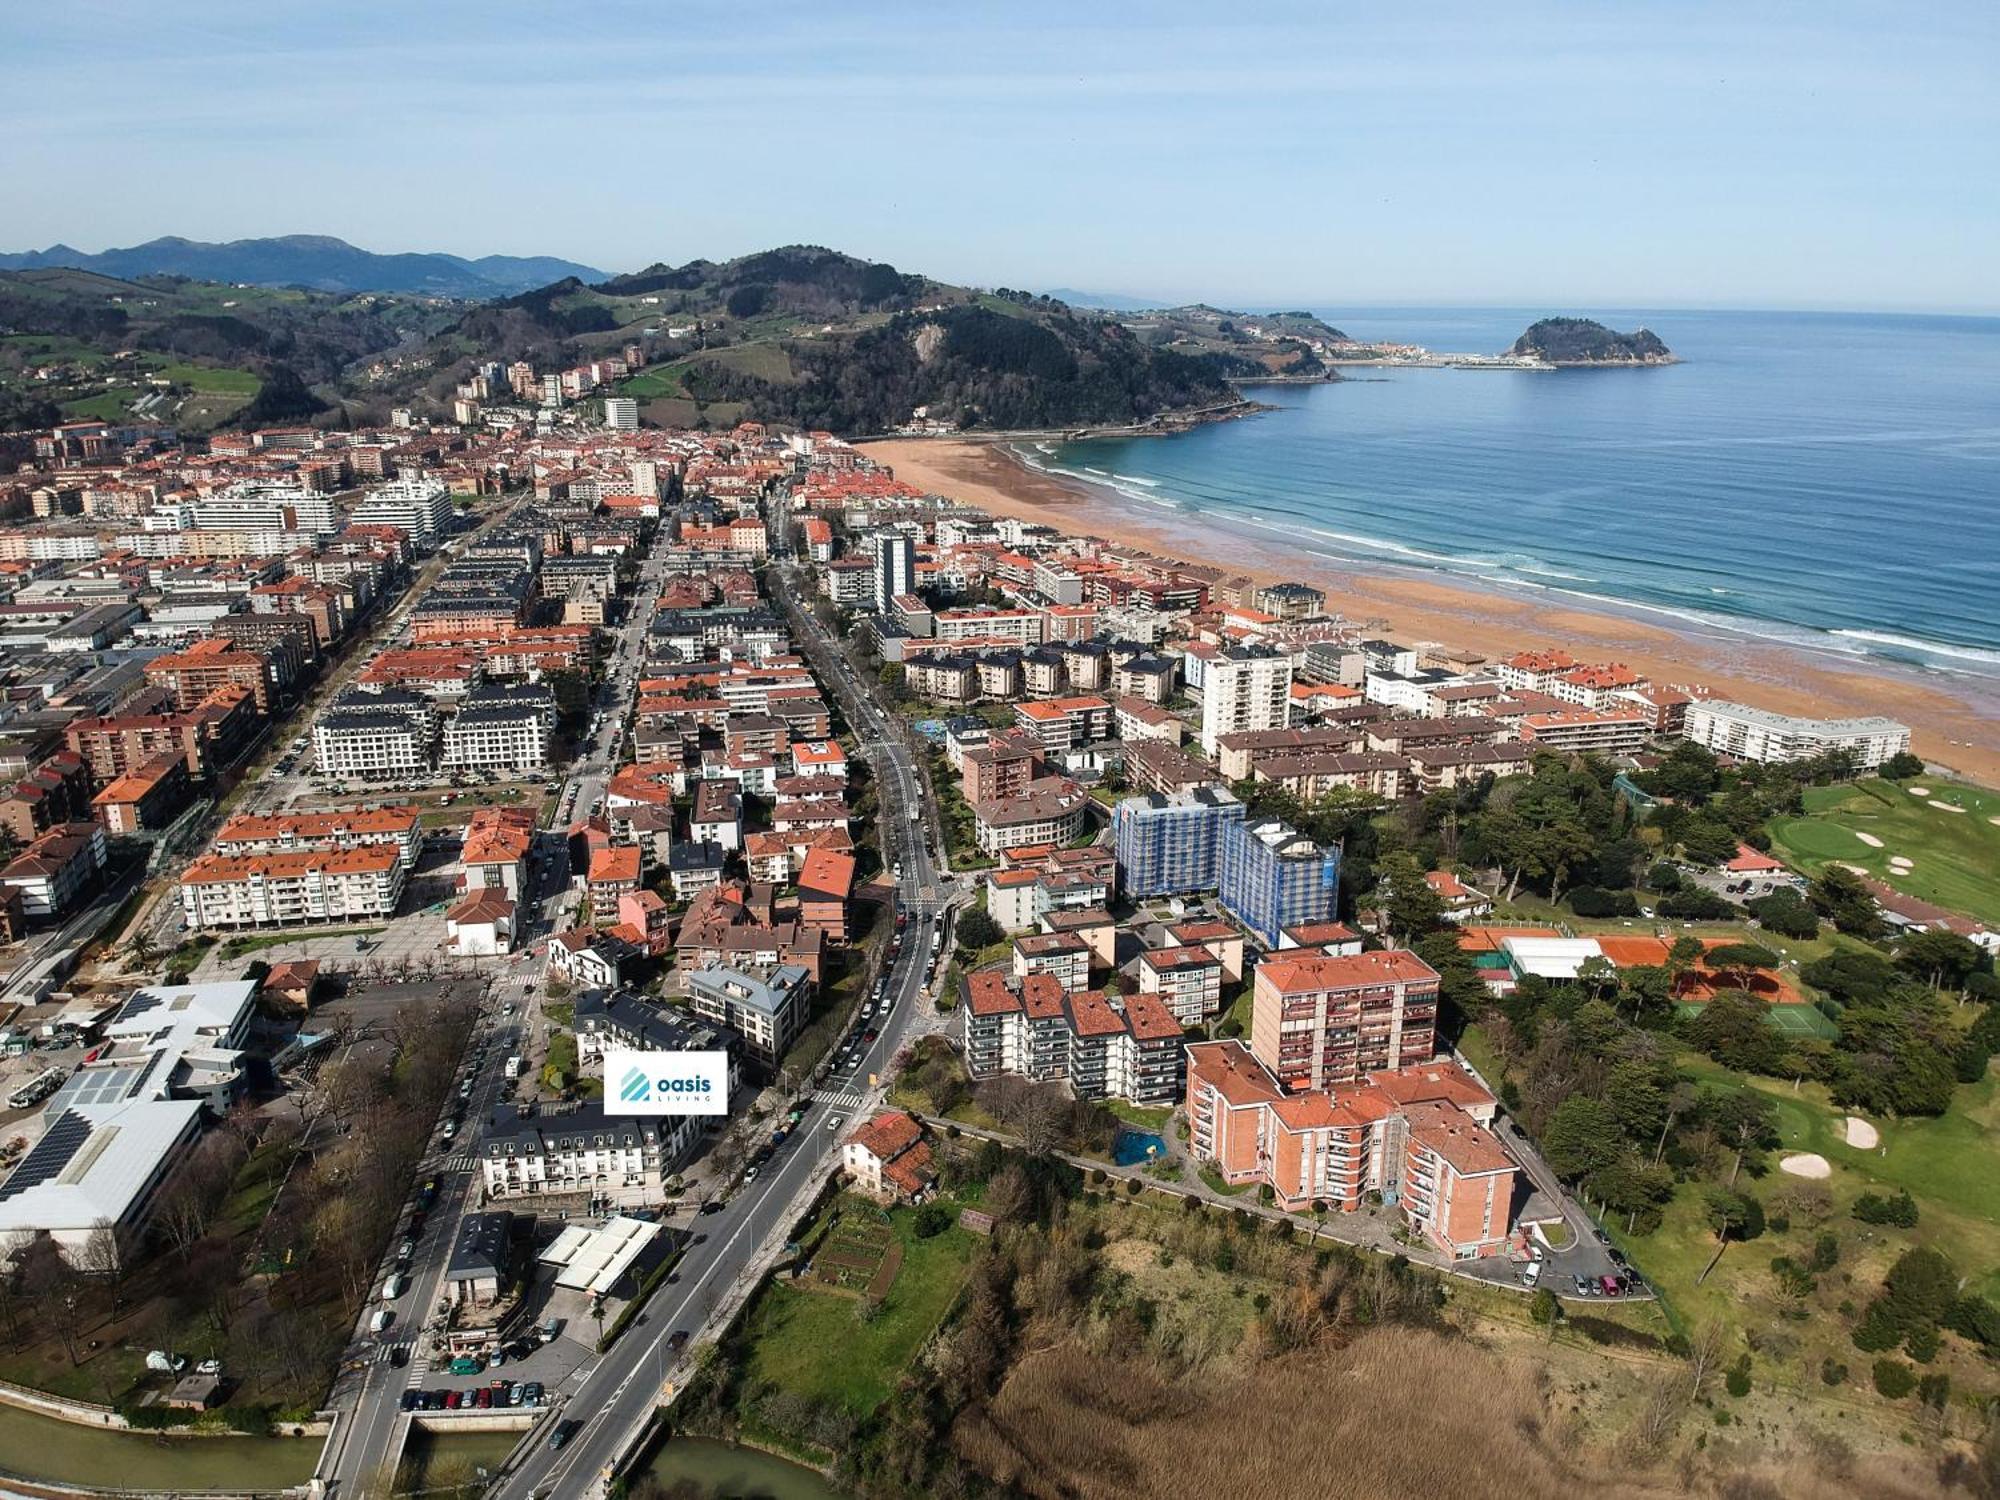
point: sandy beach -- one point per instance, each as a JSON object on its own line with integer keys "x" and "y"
{"x": 1947, "y": 730}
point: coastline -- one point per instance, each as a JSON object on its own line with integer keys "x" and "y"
{"x": 987, "y": 474}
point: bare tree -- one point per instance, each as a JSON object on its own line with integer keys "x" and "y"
{"x": 58, "y": 1290}
{"x": 1705, "y": 1344}
{"x": 109, "y": 1254}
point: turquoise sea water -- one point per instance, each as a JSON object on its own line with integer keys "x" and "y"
{"x": 1826, "y": 480}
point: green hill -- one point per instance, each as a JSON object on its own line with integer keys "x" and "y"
{"x": 1581, "y": 341}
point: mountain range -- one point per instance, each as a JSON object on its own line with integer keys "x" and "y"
{"x": 316, "y": 261}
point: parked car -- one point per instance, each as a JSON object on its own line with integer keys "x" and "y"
{"x": 1611, "y": 1287}
{"x": 453, "y": 1400}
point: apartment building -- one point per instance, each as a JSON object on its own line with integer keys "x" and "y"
{"x": 52, "y": 874}
{"x": 373, "y": 736}
{"x": 210, "y": 736}
{"x": 1049, "y": 811}
{"x": 1187, "y": 979}
{"x": 1128, "y": 1049}
{"x": 1018, "y": 627}
{"x": 1418, "y": 1136}
{"x": 1270, "y": 877}
{"x": 417, "y": 505}
{"x": 1317, "y": 1020}
{"x": 305, "y": 888}
{"x": 395, "y": 828}
{"x": 1059, "y": 724}
{"x": 190, "y": 676}
{"x": 1002, "y": 767}
{"x": 1607, "y": 731}
{"x": 503, "y": 728}
{"x": 1171, "y": 843}
{"x": 768, "y": 1008}
{"x": 620, "y": 1160}
{"x": 1758, "y": 734}
{"x": 895, "y": 570}
{"x": 1243, "y": 688}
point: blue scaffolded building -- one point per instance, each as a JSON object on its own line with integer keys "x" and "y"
{"x": 1273, "y": 877}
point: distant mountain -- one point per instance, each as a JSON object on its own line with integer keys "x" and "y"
{"x": 1101, "y": 301}
{"x": 1581, "y": 341}
{"x": 315, "y": 261}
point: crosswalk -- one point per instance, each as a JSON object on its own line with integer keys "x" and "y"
{"x": 844, "y": 1099}
{"x": 465, "y": 1161}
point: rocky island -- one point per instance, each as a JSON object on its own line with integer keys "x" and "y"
{"x": 1583, "y": 341}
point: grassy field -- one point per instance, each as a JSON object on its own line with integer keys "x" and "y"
{"x": 1952, "y": 854}
{"x": 816, "y": 1344}
{"x": 1947, "y": 1164}
{"x": 204, "y": 378}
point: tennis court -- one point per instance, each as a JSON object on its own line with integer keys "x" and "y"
{"x": 1793, "y": 1020}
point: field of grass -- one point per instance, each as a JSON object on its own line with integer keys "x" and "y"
{"x": 1952, "y": 854}
{"x": 762, "y": 361}
{"x": 204, "y": 378}
{"x": 105, "y": 406}
{"x": 1947, "y": 1164}
{"x": 664, "y": 381}
{"x": 817, "y": 1344}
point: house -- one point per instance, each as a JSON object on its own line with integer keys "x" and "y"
{"x": 588, "y": 959}
{"x": 291, "y": 984}
{"x": 888, "y": 1158}
{"x": 482, "y": 1260}
{"x": 1460, "y": 902}
{"x": 481, "y": 925}
{"x": 614, "y": 872}
{"x": 53, "y": 872}
{"x": 769, "y": 1009}
{"x": 649, "y": 915}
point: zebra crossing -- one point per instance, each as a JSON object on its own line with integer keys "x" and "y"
{"x": 465, "y": 1161}
{"x": 843, "y": 1099}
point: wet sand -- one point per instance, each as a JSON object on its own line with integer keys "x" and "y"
{"x": 1948, "y": 730}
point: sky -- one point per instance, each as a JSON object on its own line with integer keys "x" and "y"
{"x": 1616, "y": 153}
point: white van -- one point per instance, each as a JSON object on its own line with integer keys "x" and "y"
{"x": 381, "y": 1321}
{"x": 395, "y": 1286}
{"x": 1531, "y": 1273}
{"x": 513, "y": 1066}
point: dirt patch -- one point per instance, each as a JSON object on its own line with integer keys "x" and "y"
{"x": 885, "y": 1274}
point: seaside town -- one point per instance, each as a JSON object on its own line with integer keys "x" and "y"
{"x": 371, "y": 787}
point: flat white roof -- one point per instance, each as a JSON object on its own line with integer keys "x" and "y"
{"x": 1551, "y": 958}
{"x": 591, "y": 1260}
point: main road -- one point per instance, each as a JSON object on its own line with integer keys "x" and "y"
{"x": 618, "y": 1396}
{"x": 613, "y": 1397}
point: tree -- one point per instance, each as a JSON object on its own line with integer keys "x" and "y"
{"x": 1941, "y": 959}
{"x": 1580, "y": 1137}
{"x": 1408, "y": 901}
{"x": 976, "y": 930}
{"x": 1730, "y": 1215}
{"x": 1747, "y": 1121}
{"x": 1837, "y": 894}
{"x": 1901, "y": 766}
{"x": 1705, "y": 1344}
{"x": 1546, "y": 1309}
{"x": 1785, "y": 912}
{"x": 1735, "y": 1029}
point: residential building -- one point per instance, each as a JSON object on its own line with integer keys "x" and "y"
{"x": 1049, "y": 811}
{"x": 504, "y": 728}
{"x": 1244, "y": 688}
{"x": 1270, "y": 877}
{"x": 1128, "y": 1048}
{"x": 889, "y": 1159}
{"x": 1171, "y": 843}
{"x": 375, "y": 736}
{"x": 418, "y": 506}
{"x": 1758, "y": 734}
{"x": 1188, "y": 981}
{"x": 619, "y": 1160}
{"x": 768, "y": 1010}
{"x": 1317, "y": 1020}
{"x": 895, "y": 568}
{"x": 303, "y": 888}
{"x": 481, "y": 925}
{"x": 56, "y": 870}
{"x": 1417, "y": 1136}
{"x": 399, "y": 829}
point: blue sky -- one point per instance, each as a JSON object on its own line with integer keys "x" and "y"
{"x": 1620, "y": 152}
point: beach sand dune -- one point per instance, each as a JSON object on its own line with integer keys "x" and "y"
{"x": 1443, "y": 612}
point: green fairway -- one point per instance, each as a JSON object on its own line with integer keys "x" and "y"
{"x": 203, "y": 378}
{"x": 1953, "y": 854}
{"x": 822, "y": 1345}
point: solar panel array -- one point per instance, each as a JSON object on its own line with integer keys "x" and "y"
{"x": 140, "y": 1002}
{"x": 54, "y": 1151}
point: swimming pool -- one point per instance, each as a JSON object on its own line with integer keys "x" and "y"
{"x": 1134, "y": 1148}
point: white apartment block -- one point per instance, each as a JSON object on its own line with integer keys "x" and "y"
{"x": 502, "y": 729}
{"x": 303, "y": 889}
{"x": 584, "y": 1152}
{"x": 1022, "y": 627}
{"x": 419, "y": 507}
{"x": 259, "y": 505}
{"x": 1758, "y": 734}
{"x": 1244, "y": 690}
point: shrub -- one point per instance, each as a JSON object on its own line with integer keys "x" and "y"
{"x": 1934, "y": 1390}
{"x": 1922, "y": 1344}
{"x": 1825, "y": 1253}
{"x": 1737, "y": 1381}
{"x": 1894, "y": 1379}
{"x": 1133, "y": 1186}
{"x": 1832, "y": 1372}
{"x": 1590, "y": 901}
{"x": 1663, "y": 878}
{"x": 932, "y": 1219}
{"x": 1696, "y": 905}
{"x": 1899, "y": 1211}
{"x": 1974, "y": 1318}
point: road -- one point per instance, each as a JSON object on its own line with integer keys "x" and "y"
{"x": 617, "y": 1396}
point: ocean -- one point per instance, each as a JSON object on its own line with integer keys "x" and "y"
{"x": 1831, "y": 481}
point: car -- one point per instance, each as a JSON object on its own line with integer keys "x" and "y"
{"x": 750, "y": 1173}
{"x": 1602, "y": 1237}
{"x": 1582, "y": 1285}
{"x": 499, "y": 1358}
{"x": 559, "y": 1436}
{"x": 870, "y": 1034}
{"x": 551, "y": 1328}
{"x": 514, "y": 1396}
{"x": 482, "y": 1398}
{"x": 453, "y": 1400}
{"x": 833, "y": 1122}
{"x": 711, "y": 1207}
{"x": 412, "y": 1400}
{"x": 399, "y": 1355}
{"x": 677, "y": 1340}
{"x": 467, "y": 1364}
{"x": 532, "y": 1393}
{"x": 1611, "y": 1287}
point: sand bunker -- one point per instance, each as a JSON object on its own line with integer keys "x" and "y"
{"x": 1861, "y": 1134}
{"x": 1920, "y": 791}
{"x": 1857, "y": 869}
{"x": 1868, "y": 838}
{"x": 1900, "y": 863}
{"x": 1806, "y": 1164}
{"x": 1946, "y": 806}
